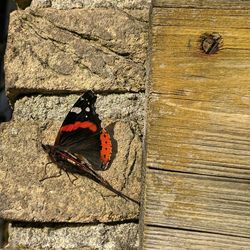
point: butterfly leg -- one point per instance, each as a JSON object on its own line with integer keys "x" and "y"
{"x": 45, "y": 171}
{"x": 45, "y": 177}
{"x": 75, "y": 177}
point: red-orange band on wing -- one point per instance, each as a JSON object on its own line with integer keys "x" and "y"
{"x": 106, "y": 150}
{"x": 71, "y": 127}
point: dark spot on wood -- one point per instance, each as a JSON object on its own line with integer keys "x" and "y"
{"x": 210, "y": 43}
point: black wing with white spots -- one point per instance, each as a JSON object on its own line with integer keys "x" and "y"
{"x": 81, "y": 122}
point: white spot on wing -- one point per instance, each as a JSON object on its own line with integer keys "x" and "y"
{"x": 87, "y": 109}
{"x": 76, "y": 110}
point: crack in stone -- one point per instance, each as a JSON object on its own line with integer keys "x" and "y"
{"x": 132, "y": 166}
{"x": 62, "y": 50}
{"x": 45, "y": 64}
{"x": 131, "y": 17}
{"x": 81, "y": 35}
{"x": 87, "y": 37}
{"x": 42, "y": 37}
{"x": 121, "y": 54}
{"x": 41, "y": 224}
{"x": 84, "y": 36}
{"x": 83, "y": 66}
{"x": 97, "y": 45}
{"x": 42, "y": 62}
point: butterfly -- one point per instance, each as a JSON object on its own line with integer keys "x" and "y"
{"x": 82, "y": 146}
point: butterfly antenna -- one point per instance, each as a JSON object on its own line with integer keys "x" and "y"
{"x": 108, "y": 186}
{"x": 123, "y": 195}
{"x": 88, "y": 171}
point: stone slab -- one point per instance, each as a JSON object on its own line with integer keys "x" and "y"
{"x": 100, "y": 236}
{"x": 37, "y": 119}
{"x": 70, "y": 4}
{"x": 53, "y": 50}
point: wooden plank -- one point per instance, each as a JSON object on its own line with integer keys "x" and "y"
{"x": 169, "y": 238}
{"x": 197, "y": 191}
{"x": 178, "y": 63}
{"x": 202, "y": 122}
{"x": 196, "y": 138}
{"x": 208, "y": 4}
{"x": 201, "y": 18}
{"x": 201, "y": 203}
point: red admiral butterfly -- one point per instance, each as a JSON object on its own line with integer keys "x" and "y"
{"x": 82, "y": 146}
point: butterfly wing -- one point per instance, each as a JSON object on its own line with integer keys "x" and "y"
{"x": 81, "y": 133}
{"x": 81, "y": 121}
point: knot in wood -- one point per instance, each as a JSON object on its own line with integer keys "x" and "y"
{"x": 210, "y": 43}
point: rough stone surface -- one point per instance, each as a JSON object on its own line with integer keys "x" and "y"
{"x": 22, "y": 160}
{"x": 44, "y": 108}
{"x": 73, "y": 50}
{"x": 41, "y": 3}
{"x": 70, "y": 4}
{"x": 101, "y": 236}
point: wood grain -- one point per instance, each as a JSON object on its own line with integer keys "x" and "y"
{"x": 194, "y": 137}
{"x": 201, "y": 203}
{"x": 169, "y": 238}
{"x": 197, "y": 191}
{"x": 178, "y": 63}
{"x": 208, "y": 4}
{"x": 203, "y": 18}
{"x": 201, "y": 122}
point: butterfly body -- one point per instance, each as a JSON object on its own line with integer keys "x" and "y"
{"x": 82, "y": 146}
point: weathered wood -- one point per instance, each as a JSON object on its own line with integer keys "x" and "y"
{"x": 180, "y": 68}
{"x": 197, "y": 191}
{"x": 215, "y": 4}
{"x": 169, "y": 238}
{"x": 203, "y": 18}
{"x": 202, "y": 122}
{"x": 201, "y": 203}
{"x": 193, "y": 136}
